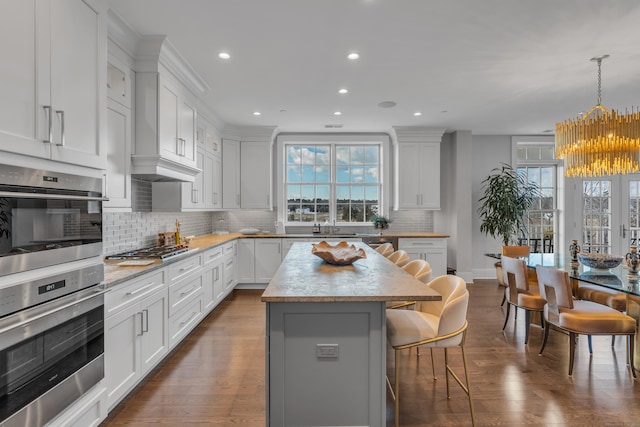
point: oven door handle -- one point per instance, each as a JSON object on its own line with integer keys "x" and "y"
{"x": 12, "y": 194}
{"x": 50, "y": 312}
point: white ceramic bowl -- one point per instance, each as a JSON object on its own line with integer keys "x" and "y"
{"x": 600, "y": 261}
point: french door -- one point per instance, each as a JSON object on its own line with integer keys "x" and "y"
{"x": 610, "y": 214}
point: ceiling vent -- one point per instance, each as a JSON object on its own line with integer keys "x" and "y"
{"x": 333, "y": 126}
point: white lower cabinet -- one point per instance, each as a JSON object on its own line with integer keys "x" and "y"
{"x": 230, "y": 266}
{"x": 432, "y": 250}
{"x": 185, "y": 297}
{"x": 88, "y": 411}
{"x": 136, "y": 332}
{"x": 258, "y": 259}
{"x": 212, "y": 278}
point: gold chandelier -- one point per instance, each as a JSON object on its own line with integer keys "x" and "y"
{"x": 601, "y": 141}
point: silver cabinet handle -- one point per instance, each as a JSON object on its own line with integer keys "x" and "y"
{"x": 140, "y": 289}
{"x": 145, "y": 327}
{"x": 141, "y": 324}
{"x": 106, "y": 187}
{"x": 193, "y": 314}
{"x": 194, "y": 195}
{"x": 61, "y": 115}
{"x": 47, "y": 108}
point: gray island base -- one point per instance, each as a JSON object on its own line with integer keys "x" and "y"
{"x": 326, "y": 338}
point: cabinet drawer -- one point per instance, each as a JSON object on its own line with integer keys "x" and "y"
{"x": 121, "y": 295}
{"x": 424, "y": 243}
{"x": 212, "y": 255}
{"x": 181, "y": 293}
{"x": 182, "y": 269}
{"x": 229, "y": 248}
{"x": 184, "y": 321}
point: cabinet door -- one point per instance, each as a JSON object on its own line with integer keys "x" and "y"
{"x": 219, "y": 284}
{"x": 230, "y": 174}
{"x": 25, "y": 58}
{"x": 188, "y": 133}
{"x": 122, "y": 352}
{"x": 168, "y": 100}
{"x": 118, "y": 179}
{"x": 268, "y": 256}
{"x": 437, "y": 259}
{"x": 193, "y": 193}
{"x": 409, "y": 167}
{"x": 230, "y": 274}
{"x": 216, "y": 182}
{"x": 154, "y": 341}
{"x": 78, "y": 74}
{"x": 430, "y": 176}
{"x": 246, "y": 256}
{"x": 255, "y": 175}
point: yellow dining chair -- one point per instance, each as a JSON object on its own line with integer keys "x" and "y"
{"x": 513, "y": 252}
{"x": 579, "y": 316}
{"x": 519, "y": 292}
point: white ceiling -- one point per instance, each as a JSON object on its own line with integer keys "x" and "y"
{"x": 513, "y": 67}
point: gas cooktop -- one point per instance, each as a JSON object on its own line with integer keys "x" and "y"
{"x": 152, "y": 252}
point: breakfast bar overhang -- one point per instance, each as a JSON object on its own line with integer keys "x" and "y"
{"x": 326, "y": 338}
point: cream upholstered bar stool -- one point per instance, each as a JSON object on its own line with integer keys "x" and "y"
{"x": 399, "y": 258}
{"x": 579, "y": 316}
{"x": 513, "y": 252}
{"x": 421, "y": 270}
{"x": 385, "y": 249}
{"x": 519, "y": 293}
{"x": 434, "y": 324}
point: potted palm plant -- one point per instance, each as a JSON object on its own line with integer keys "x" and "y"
{"x": 508, "y": 195}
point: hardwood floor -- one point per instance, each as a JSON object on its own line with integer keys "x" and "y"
{"x": 216, "y": 376}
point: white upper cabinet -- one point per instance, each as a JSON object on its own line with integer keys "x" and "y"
{"x": 52, "y": 103}
{"x": 231, "y": 174}
{"x": 418, "y": 168}
{"x": 166, "y": 90}
{"x": 255, "y": 175}
{"x": 165, "y": 144}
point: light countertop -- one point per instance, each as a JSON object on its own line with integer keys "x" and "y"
{"x": 303, "y": 277}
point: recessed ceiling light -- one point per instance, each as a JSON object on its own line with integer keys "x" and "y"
{"x": 224, "y": 55}
{"x": 353, "y": 55}
{"x": 343, "y": 91}
{"x": 337, "y": 113}
{"x": 548, "y": 131}
{"x": 444, "y": 111}
{"x": 417, "y": 113}
{"x": 387, "y": 104}
{"x": 257, "y": 113}
{"x": 283, "y": 111}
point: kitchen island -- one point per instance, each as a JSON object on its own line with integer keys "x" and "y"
{"x": 326, "y": 338}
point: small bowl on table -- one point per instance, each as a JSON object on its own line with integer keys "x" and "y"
{"x": 600, "y": 261}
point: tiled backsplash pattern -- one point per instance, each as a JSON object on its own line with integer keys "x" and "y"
{"x": 130, "y": 230}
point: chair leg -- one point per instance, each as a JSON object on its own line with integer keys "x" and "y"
{"x": 573, "y": 337}
{"x": 504, "y": 298}
{"x": 466, "y": 376}
{"x": 506, "y": 317}
{"x": 613, "y": 340}
{"x": 631, "y": 354}
{"x": 446, "y": 374}
{"x": 397, "y": 391}
{"x": 544, "y": 338}
{"x": 433, "y": 365}
{"x": 589, "y": 342}
{"x": 527, "y": 323}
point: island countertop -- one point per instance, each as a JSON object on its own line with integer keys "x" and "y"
{"x": 303, "y": 277}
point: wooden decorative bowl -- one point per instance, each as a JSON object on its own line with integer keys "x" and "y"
{"x": 340, "y": 254}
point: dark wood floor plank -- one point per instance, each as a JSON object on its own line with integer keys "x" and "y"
{"x": 216, "y": 376}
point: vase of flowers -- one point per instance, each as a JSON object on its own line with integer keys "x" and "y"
{"x": 380, "y": 222}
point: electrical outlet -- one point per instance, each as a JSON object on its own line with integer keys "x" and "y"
{"x": 327, "y": 350}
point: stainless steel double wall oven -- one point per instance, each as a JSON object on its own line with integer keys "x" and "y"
{"x": 51, "y": 292}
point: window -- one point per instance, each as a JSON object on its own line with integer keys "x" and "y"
{"x": 339, "y": 181}
{"x": 596, "y": 216}
{"x": 535, "y": 158}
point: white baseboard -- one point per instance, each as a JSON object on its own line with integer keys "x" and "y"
{"x": 484, "y": 273}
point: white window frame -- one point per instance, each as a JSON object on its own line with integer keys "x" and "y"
{"x": 381, "y": 139}
{"x": 549, "y": 141}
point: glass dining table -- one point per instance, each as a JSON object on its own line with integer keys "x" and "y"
{"x": 618, "y": 279}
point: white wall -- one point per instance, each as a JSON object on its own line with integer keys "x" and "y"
{"x": 488, "y": 152}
